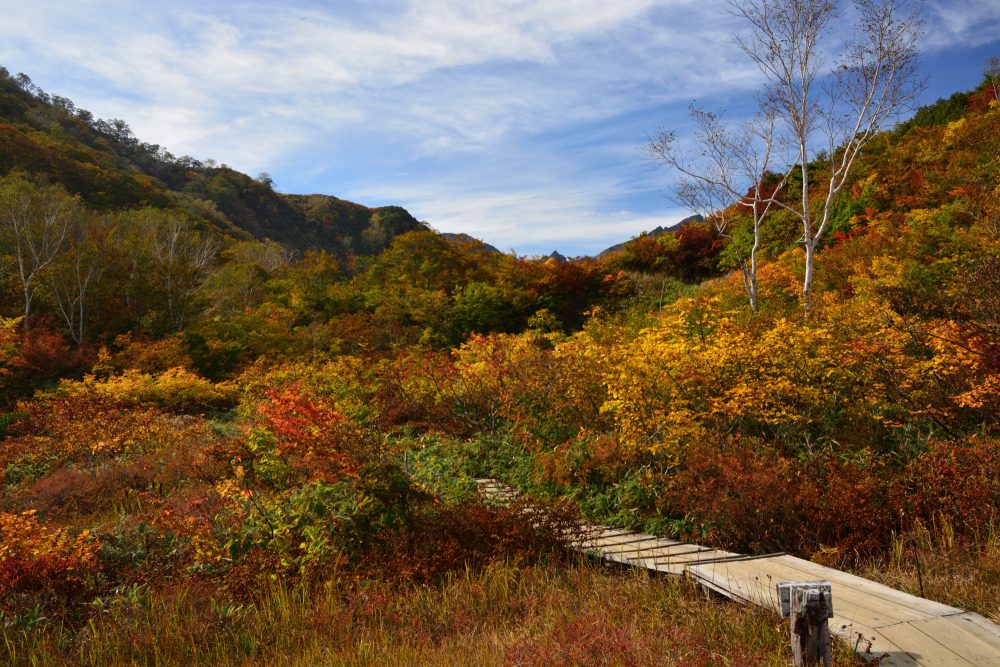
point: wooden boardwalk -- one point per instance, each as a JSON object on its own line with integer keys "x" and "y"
{"x": 876, "y": 620}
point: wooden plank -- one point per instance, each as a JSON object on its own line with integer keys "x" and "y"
{"x": 760, "y": 590}
{"x": 676, "y": 569}
{"x": 862, "y": 591}
{"x": 857, "y": 612}
{"x": 758, "y": 579}
{"x": 922, "y": 605}
{"x": 607, "y": 533}
{"x": 655, "y": 557}
{"x": 616, "y": 540}
{"x": 584, "y": 531}
{"x": 963, "y": 638}
{"x": 679, "y": 565}
{"x": 659, "y": 559}
{"x": 878, "y": 649}
{"x": 650, "y": 549}
{"x": 592, "y": 538}
{"x": 680, "y": 549}
{"x": 741, "y": 578}
{"x": 927, "y": 651}
{"x": 638, "y": 547}
{"x": 695, "y": 557}
{"x": 854, "y": 604}
{"x": 979, "y": 626}
{"x": 596, "y": 544}
{"x": 736, "y": 557}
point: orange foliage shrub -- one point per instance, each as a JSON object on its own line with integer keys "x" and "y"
{"x": 175, "y": 389}
{"x": 149, "y": 356}
{"x": 348, "y": 384}
{"x": 502, "y": 376}
{"x": 545, "y": 395}
{"x": 43, "y": 567}
{"x": 88, "y": 431}
{"x": 590, "y": 459}
{"x": 420, "y": 389}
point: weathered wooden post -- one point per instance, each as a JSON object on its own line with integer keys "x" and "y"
{"x": 808, "y": 605}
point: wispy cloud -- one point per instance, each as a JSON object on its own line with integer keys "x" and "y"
{"x": 965, "y": 24}
{"x": 515, "y": 119}
{"x": 537, "y": 202}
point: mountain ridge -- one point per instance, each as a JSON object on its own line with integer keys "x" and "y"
{"x": 103, "y": 163}
{"x": 656, "y": 232}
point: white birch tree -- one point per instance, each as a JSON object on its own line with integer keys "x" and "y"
{"x": 35, "y": 220}
{"x": 181, "y": 261}
{"x": 731, "y": 167}
{"x": 74, "y": 274}
{"x": 991, "y": 70}
{"x": 873, "y": 80}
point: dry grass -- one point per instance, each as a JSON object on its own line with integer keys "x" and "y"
{"x": 964, "y": 573}
{"x": 578, "y": 615}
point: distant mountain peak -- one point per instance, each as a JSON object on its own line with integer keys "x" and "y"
{"x": 557, "y": 256}
{"x": 658, "y": 231}
{"x": 465, "y": 239}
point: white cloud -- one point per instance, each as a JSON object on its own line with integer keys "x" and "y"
{"x": 966, "y": 24}
{"x": 422, "y": 63}
{"x": 534, "y": 205}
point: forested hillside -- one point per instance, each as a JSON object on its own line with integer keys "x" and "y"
{"x": 217, "y": 410}
{"x": 110, "y": 169}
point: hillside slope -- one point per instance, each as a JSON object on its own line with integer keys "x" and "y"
{"x": 109, "y": 168}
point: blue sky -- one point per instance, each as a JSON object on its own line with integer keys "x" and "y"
{"x": 517, "y": 122}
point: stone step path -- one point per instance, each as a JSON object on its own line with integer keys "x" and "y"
{"x": 879, "y": 622}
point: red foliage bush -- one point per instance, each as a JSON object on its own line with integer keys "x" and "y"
{"x": 44, "y": 354}
{"x": 742, "y": 493}
{"x": 748, "y": 497}
{"x": 588, "y": 639}
{"x": 71, "y": 492}
{"x": 418, "y": 389}
{"x": 599, "y": 638}
{"x": 315, "y": 437}
{"x": 30, "y": 358}
{"x": 981, "y": 99}
{"x": 954, "y": 481}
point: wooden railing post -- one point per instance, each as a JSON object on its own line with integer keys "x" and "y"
{"x": 808, "y": 605}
